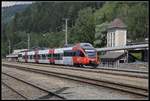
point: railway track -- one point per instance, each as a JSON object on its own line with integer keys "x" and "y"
{"x": 24, "y": 97}
{"x": 49, "y": 93}
{"x": 138, "y": 74}
{"x": 105, "y": 83}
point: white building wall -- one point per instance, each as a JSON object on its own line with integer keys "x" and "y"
{"x": 110, "y": 38}
{"x": 120, "y": 37}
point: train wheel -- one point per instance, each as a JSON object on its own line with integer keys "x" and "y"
{"x": 95, "y": 66}
{"x": 84, "y": 66}
{"x": 76, "y": 65}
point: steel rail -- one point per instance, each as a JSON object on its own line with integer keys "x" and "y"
{"x": 36, "y": 86}
{"x": 106, "y": 71}
{"x": 118, "y": 86}
{"x": 15, "y": 91}
{"x": 86, "y": 69}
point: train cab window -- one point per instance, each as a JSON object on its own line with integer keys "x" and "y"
{"x": 81, "y": 54}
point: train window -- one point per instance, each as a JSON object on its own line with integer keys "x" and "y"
{"x": 77, "y": 53}
{"x": 58, "y": 56}
{"x": 43, "y": 56}
{"x": 49, "y": 56}
{"x": 23, "y": 57}
{"x": 81, "y": 54}
{"x": 20, "y": 55}
{"x": 30, "y": 56}
{"x": 91, "y": 53}
{"x": 69, "y": 53}
{"x": 46, "y": 56}
{"x": 55, "y": 56}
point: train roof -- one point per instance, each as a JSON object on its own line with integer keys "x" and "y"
{"x": 82, "y": 45}
{"x": 86, "y": 45}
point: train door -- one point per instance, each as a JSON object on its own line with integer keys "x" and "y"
{"x": 43, "y": 56}
{"x": 26, "y": 56}
{"x": 58, "y": 55}
{"x": 36, "y": 56}
{"x": 79, "y": 57}
{"x": 51, "y": 56}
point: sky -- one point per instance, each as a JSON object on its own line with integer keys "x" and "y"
{"x": 10, "y": 3}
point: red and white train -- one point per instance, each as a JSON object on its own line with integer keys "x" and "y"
{"x": 78, "y": 55}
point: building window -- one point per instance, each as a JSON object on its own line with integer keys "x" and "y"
{"x": 113, "y": 39}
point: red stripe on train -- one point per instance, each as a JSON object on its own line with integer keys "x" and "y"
{"x": 51, "y": 52}
{"x": 36, "y": 56}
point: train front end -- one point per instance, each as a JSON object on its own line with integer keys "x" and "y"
{"x": 91, "y": 57}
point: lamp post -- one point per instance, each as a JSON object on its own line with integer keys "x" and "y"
{"x": 66, "y": 21}
{"x": 28, "y": 41}
{"x": 9, "y": 46}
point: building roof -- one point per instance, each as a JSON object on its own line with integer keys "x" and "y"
{"x": 116, "y": 23}
{"x": 127, "y": 47}
{"x": 113, "y": 56}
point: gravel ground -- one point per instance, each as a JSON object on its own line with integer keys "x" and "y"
{"x": 8, "y": 94}
{"x": 71, "y": 89}
{"x": 25, "y": 89}
{"x": 140, "y": 82}
{"x": 141, "y": 66}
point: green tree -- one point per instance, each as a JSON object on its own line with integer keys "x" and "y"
{"x": 101, "y": 35}
{"x": 84, "y": 29}
{"x": 133, "y": 14}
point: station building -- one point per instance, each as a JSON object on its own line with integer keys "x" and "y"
{"x": 117, "y": 37}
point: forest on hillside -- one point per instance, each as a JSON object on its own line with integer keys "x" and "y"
{"x": 87, "y": 23}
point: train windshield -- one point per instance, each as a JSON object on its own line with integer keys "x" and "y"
{"x": 91, "y": 53}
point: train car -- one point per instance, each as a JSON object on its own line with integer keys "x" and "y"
{"x": 79, "y": 55}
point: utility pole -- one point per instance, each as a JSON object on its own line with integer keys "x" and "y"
{"x": 28, "y": 41}
{"x": 66, "y": 21}
{"x": 9, "y": 46}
